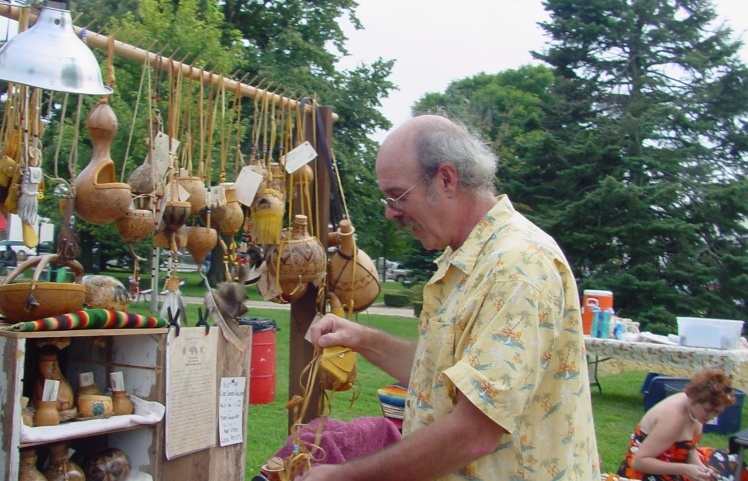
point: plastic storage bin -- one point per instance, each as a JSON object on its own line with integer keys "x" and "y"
{"x": 660, "y": 387}
{"x": 706, "y": 332}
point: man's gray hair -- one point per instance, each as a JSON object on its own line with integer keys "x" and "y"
{"x": 452, "y": 143}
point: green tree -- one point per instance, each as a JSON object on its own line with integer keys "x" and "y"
{"x": 647, "y": 155}
{"x": 295, "y": 45}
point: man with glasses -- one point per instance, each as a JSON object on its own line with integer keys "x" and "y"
{"x": 497, "y": 383}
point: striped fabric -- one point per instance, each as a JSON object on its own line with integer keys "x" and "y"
{"x": 90, "y": 319}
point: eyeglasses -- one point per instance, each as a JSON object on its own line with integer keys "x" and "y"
{"x": 394, "y": 203}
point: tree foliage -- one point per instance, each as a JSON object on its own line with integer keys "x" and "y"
{"x": 632, "y": 154}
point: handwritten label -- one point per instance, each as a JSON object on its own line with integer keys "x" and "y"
{"x": 51, "y": 388}
{"x": 85, "y": 378}
{"x": 247, "y": 185}
{"x": 301, "y": 155}
{"x": 118, "y": 381}
{"x": 231, "y": 410}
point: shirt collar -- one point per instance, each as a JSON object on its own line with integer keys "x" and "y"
{"x": 464, "y": 257}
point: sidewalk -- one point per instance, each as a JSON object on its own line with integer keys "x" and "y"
{"x": 377, "y": 309}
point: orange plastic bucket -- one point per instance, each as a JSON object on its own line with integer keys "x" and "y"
{"x": 592, "y": 298}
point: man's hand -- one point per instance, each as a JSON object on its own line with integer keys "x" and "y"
{"x": 332, "y": 330}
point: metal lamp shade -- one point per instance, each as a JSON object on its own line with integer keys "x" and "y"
{"x": 49, "y": 55}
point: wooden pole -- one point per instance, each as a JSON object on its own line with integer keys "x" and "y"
{"x": 304, "y": 310}
{"x": 140, "y": 55}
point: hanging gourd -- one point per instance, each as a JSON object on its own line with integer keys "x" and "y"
{"x": 200, "y": 241}
{"x": 229, "y": 217}
{"x": 298, "y": 260}
{"x": 135, "y": 225}
{"x": 352, "y": 275}
{"x": 99, "y": 199}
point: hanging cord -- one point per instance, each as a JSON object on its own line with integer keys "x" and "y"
{"x": 61, "y": 134}
{"x": 134, "y": 119}
{"x": 73, "y": 155}
{"x": 224, "y": 144}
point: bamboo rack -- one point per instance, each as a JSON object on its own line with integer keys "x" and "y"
{"x": 140, "y": 55}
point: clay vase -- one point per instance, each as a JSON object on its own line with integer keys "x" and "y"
{"x": 61, "y": 468}
{"x": 46, "y": 414}
{"x": 353, "y": 279}
{"x": 109, "y": 465}
{"x": 136, "y": 225}
{"x": 229, "y": 217}
{"x": 267, "y": 216}
{"x": 28, "y": 471}
{"x": 297, "y": 261}
{"x": 121, "y": 403}
{"x": 200, "y": 241}
{"x": 49, "y": 368}
{"x": 99, "y": 199}
{"x": 196, "y": 187}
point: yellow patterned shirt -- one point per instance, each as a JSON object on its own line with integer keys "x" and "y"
{"x": 501, "y": 323}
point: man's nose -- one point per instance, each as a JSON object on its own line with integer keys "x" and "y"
{"x": 391, "y": 213}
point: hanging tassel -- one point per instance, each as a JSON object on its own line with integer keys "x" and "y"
{"x": 267, "y": 215}
{"x": 28, "y": 205}
{"x": 173, "y": 301}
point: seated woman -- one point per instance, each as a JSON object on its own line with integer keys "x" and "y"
{"x": 663, "y": 445}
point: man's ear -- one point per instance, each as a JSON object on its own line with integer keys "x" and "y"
{"x": 448, "y": 178}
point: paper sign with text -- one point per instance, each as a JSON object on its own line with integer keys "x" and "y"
{"x": 231, "y": 410}
{"x": 118, "y": 381}
{"x": 51, "y": 388}
{"x": 86, "y": 378}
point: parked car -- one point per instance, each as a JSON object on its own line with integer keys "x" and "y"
{"x": 393, "y": 271}
{"x": 18, "y": 247}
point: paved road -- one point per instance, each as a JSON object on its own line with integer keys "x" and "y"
{"x": 378, "y": 309}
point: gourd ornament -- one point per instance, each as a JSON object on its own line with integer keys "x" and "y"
{"x": 48, "y": 367}
{"x": 28, "y": 471}
{"x": 229, "y": 217}
{"x": 136, "y": 225}
{"x": 200, "y": 241}
{"x": 99, "y": 199}
{"x": 109, "y": 465}
{"x": 352, "y": 276}
{"x": 61, "y": 468}
{"x": 299, "y": 260}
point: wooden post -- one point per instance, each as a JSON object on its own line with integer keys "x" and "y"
{"x": 303, "y": 311}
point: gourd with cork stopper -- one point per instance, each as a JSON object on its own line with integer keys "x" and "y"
{"x": 120, "y": 399}
{"x": 29, "y": 471}
{"x": 46, "y": 410}
{"x": 61, "y": 468}
{"x": 352, "y": 275}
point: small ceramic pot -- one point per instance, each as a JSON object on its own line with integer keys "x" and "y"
{"x": 47, "y": 414}
{"x": 121, "y": 403}
{"x": 92, "y": 405}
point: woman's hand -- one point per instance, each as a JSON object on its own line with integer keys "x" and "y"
{"x": 698, "y": 472}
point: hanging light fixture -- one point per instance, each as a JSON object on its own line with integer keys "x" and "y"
{"x": 49, "y": 55}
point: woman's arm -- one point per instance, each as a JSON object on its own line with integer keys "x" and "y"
{"x": 663, "y": 435}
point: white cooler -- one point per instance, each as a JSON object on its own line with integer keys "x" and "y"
{"x": 706, "y": 332}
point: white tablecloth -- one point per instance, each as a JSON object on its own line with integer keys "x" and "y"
{"x": 672, "y": 360}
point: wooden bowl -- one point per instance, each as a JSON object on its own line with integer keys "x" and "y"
{"x": 95, "y": 406}
{"x": 26, "y": 301}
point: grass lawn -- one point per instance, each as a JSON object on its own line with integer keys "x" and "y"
{"x": 616, "y": 411}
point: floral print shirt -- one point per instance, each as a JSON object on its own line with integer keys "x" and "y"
{"x": 501, "y": 323}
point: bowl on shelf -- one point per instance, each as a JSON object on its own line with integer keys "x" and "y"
{"x": 94, "y": 406}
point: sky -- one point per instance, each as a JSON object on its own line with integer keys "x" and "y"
{"x": 435, "y": 42}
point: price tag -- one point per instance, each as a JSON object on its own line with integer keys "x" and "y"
{"x": 118, "y": 381}
{"x": 301, "y": 155}
{"x": 231, "y": 410}
{"x": 85, "y": 379}
{"x": 160, "y": 153}
{"x": 247, "y": 185}
{"x": 51, "y": 388}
